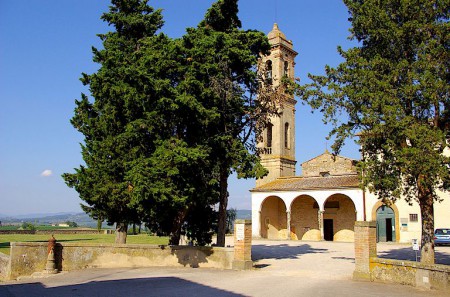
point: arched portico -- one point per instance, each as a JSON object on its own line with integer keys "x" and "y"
{"x": 304, "y": 218}
{"x": 339, "y": 218}
{"x": 273, "y": 218}
{"x": 261, "y": 205}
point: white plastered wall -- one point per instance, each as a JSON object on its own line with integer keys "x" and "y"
{"x": 413, "y": 230}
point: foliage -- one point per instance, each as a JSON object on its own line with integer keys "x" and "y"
{"x": 221, "y": 75}
{"x": 394, "y": 90}
{"x": 169, "y": 122}
{"x": 28, "y": 226}
{"x": 231, "y": 217}
{"x": 117, "y": 125}
{"x": 71, "y": 224}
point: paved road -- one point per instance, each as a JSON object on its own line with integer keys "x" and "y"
{"x": 282, "y": 268}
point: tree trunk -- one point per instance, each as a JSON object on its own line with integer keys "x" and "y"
{"x": 134, "y": 228}
{"x": 223, "y": 203}
{"x": 121, "y": 232}
{"x": 175, "y": 234}
{"x": 99, "y": 224}
{"x": 427, "y": 214}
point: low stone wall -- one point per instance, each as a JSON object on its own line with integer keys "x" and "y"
{"x": 369, "y": 267}
{"x": 4, "y": 266}
{"x": 71, "y": 231}
{"x": 58, "y": 231}
{"x": 410, "y": 273}
{"x": 17, "y": 232}
{"x": 27, "y": 258}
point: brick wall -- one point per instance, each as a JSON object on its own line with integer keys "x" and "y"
{"x": 365, "y": 248}
{"x": 242, "y": 245}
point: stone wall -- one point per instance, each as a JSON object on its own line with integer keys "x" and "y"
{"x": 304, "y": 219}
{"x": 369, "y": 267}
{"x": 4, "y": 266}
{"x": 274, "y": 218}
{"x": 27, "y": 258}
{"x": 410, "y": 273}
{"x": 327, "y": 163}
{"x": 55, "y": 231}
{"x": 17, "y": 232}
{"x": 343, "y": 218}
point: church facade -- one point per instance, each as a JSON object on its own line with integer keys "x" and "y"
{"x": 326, "y": 200}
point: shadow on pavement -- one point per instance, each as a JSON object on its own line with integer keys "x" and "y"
{"x": 157, "y": 286}
{"x": 409, "y": 255}
{"x": 282, "y": 251}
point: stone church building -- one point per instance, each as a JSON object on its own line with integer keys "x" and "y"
{"x": 326, "y": 200}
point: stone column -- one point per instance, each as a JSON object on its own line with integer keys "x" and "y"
{"x": 365, "y": 248}
{"x": 261, "y": 225}
{"x": 320, "y": 218}
{"x": 242, "y": 245}
{"x": 288, "y": 214}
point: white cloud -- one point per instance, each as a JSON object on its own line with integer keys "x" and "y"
{"x": 46, "y": 172}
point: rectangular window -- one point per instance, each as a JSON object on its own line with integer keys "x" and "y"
{"x": 413, "y": 217}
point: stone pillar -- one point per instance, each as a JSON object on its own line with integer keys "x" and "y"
{"x": 365, "y": 248}
{"x": 242, "y": 245}
{"x": 320, "y": 218}
{"x": 288, "y": 214}
{"x": 50, "y": 267}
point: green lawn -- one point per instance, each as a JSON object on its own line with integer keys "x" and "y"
{"x": 5, "y": 239}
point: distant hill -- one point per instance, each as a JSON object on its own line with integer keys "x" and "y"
{"x": 244, "y": 214}
{"x": 82, "y": 219}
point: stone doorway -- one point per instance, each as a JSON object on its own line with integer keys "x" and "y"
{"x": 328, "y": 229}
{"x": 385, "y": 224}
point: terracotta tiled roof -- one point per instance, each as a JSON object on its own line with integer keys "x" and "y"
{"x": 299, "y": 183}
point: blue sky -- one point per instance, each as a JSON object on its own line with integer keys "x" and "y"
{"x": 46, "y": 45}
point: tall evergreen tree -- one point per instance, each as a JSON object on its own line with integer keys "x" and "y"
{"x": 394, "y": 87}
{"x": 221, "y": 74}
{"x": 118, "y": 124}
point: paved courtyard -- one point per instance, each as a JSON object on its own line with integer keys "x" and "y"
{"x": 282, "y": 268}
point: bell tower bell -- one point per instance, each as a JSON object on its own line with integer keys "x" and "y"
{"x": 277, "y": 147}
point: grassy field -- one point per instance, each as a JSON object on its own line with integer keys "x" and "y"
{"x": 5, "y": 239}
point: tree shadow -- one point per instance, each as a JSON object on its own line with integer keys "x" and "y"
{"x": 283, "y": 251}
{"x": 151, "y": 286}
{"x": 409, "y": 254}
{"x": 191, "y": 256}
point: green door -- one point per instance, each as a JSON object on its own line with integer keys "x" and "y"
{"x": 385, "y": 224}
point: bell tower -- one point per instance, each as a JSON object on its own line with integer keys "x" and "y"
{"x": 277, "y": 147}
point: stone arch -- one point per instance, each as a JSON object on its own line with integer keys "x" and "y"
{"x": 339, "y": 218}
{"x": 304, "y": 218}
{"x": 273, "y": 218}
{"x": 397, "y": 218}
